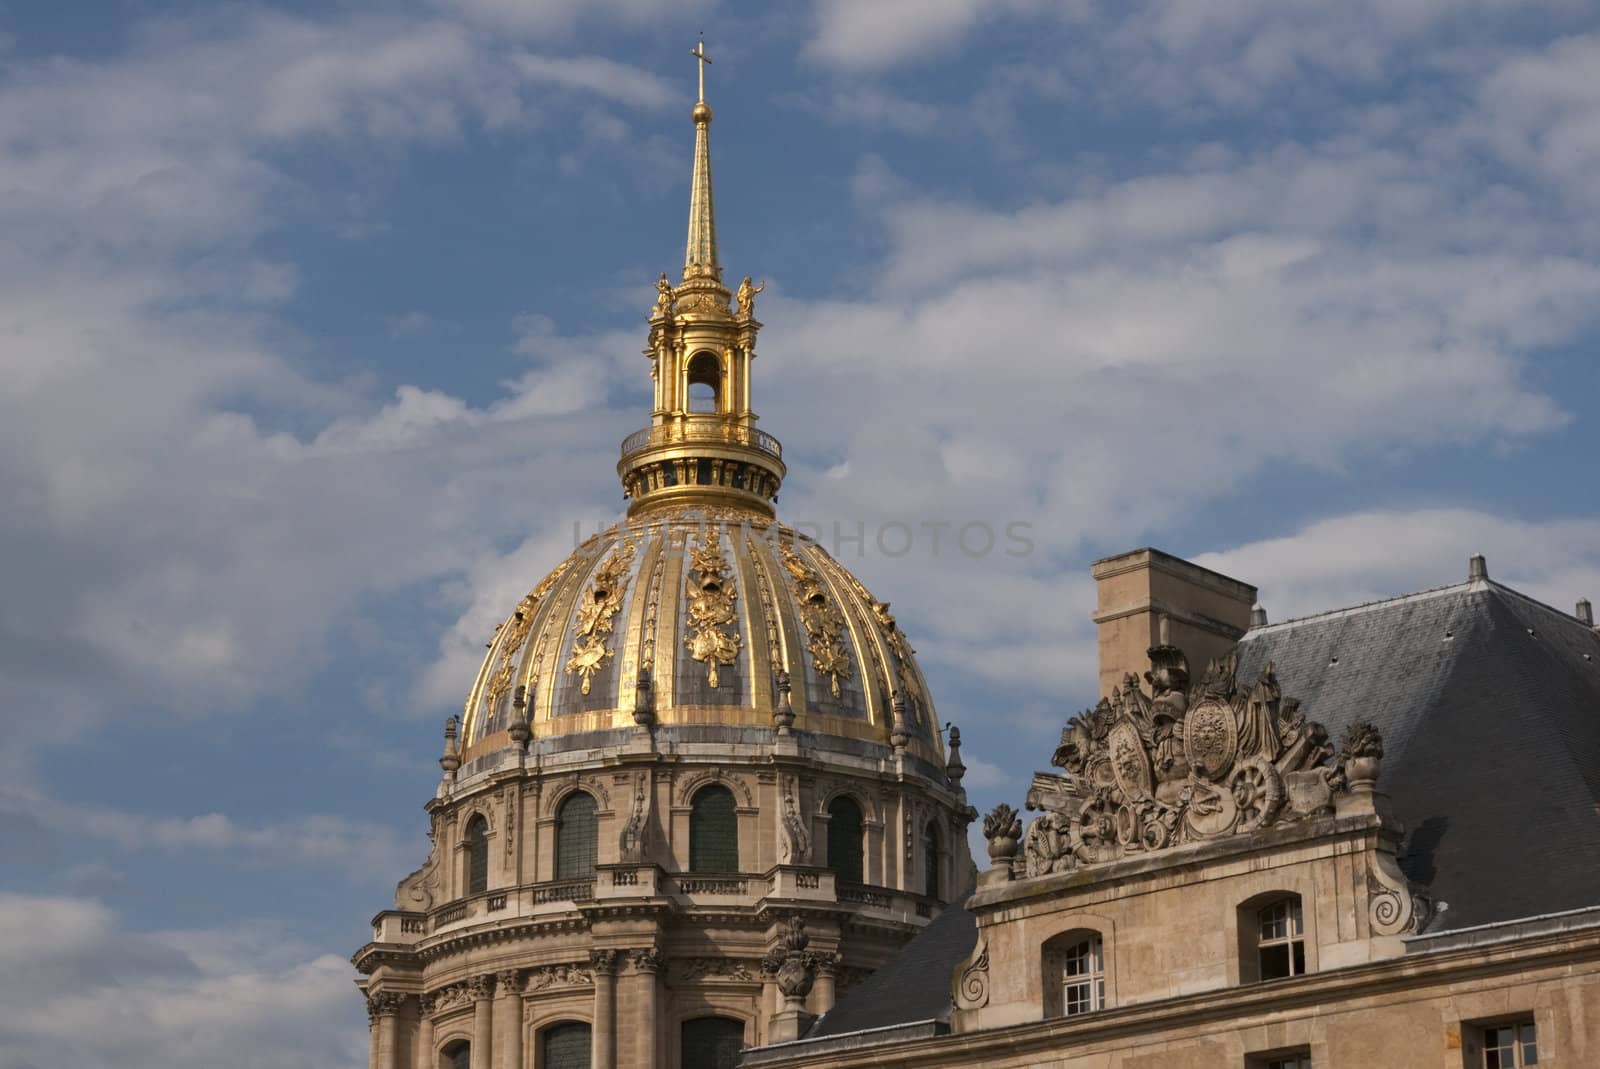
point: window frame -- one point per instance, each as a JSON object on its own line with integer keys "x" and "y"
{"x": 836, "y": 839}
{"x": 1476, "y": 1050}
{"x": 699, "y": 861}
{"x": 475, "y": 870}
{"x": 932, "y": 861}
{"x": 546, "y": 1031}
{"x": 1292, "y": 938}
{"x": 1246, "y": 967}
{"x": 561, "y": 860}
{"x": 1075, "y": 959}
{"x": 685, "y": 1023}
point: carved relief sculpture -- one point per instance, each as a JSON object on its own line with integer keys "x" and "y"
{"x": 790, "y": 964}
{"x": 796, "y": 841}
{"x": 823, "y": 621}
{"x": 713, "y": 638}
{"x": 595, "y": 612}
{"x": 634, "y": 840}
{"x": 1147, "y": 771}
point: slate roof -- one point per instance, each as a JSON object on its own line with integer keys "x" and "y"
{"x": 1489, "y": 706}
{"x": 914, "y": 985}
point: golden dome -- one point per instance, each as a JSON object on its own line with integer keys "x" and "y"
{"x": 690, "y": 619}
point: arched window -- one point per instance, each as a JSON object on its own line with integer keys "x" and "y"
{"x": 576, "y": 837}
{"x": 457, "y": 1055}
{"x": 712, "y": 1043}
{"x": 1074, "y": 974}
{"x": 705, "y": 382}
{"x": 565, "y": 1046}
{"x": 1280, "y": 945}
{"x": 844, "y": 839}
{"x": 477, "y": 855}
{"x": 713, "y": 831}
{"x": 930, "y": 860}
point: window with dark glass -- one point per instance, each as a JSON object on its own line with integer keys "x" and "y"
{"x": 577, "y": 837}
{"x": 1508, "y": 1045}
{"x": 1281, "y": 946}
{"x": 1296, "y": 1060}
{"x": 458, "y": 1055}
{"x": 712, "y": 1043}
{"x": 930, "y": 860}
{"x": 477, "y": 855}
{"x": 713, "y": 831}
{"x": 565, "y": 1046}
{"x": 844, "y": 839}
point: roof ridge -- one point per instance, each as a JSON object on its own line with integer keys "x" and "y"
{"x": 1465, "y": 586}
{"x": 1365, "y": 606}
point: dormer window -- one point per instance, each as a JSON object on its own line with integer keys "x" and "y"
{"x": 1281, "y": 945}
{"x": 1074, "y": 974}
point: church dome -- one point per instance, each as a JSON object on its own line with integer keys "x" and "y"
{"x": 699, "y": 617}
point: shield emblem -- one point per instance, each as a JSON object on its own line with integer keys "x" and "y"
{"x": 1130, "y": 765}
{"x": 1211, "y": 737}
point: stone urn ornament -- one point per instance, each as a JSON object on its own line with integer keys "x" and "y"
{"x": 1361, "y": 753}
{"x": 1003, "y": 828}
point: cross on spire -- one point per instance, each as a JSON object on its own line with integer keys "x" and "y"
{"x": 699, "y": 52}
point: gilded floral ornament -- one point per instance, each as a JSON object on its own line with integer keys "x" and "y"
{"x": 595, "y": 612}
{"x": 713, "y": 637}
{"x": 823, "y": 621}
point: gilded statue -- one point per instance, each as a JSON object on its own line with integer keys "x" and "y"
{"x": 746, "y": 296}
{"x": 663, "y": 296}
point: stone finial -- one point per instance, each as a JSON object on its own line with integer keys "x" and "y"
{"x": 790, "y": 964}
{"x": 783, "y": 712}
{"x": 954, "y": 768}
{"x": 450, "y": 760}
{"x": 1477, "y": 567}
{"x": 1360, "y": 753}
{"x": 1258, "y": 617}
{"x": 519, "y": 730}
{"x": 1003, "y": 828}
{"x": 901, "y": 732}
{"x": 644, "y": 706}
{"x": 1585, "y": 612}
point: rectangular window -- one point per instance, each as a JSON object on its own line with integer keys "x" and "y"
{"x": 1280, "y": 1059}
{"x": 1083, "y": 980}
{"x": 1282, "y": 945}
{"x": 1509, "y": 1045}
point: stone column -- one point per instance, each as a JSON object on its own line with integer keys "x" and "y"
{"x": 385, "y": 1006}
{"x": 423, "y": 1055}
{"x": 604, "y": 964}
{"x": 822, "y": 993}
{"x": 508, "y": 1015}
{"x": 642, "y": 997}
{"x": 481, "y": 989}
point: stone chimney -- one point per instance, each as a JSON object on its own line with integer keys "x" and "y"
{"x": 1206, "y": 612}
{"x": 1585, "y": 612}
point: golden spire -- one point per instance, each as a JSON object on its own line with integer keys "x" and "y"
{"x": 701, "y": 257}
{"x": 702, "y": 448}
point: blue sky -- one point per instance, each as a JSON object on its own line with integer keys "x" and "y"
{"x": 321, "y": 325}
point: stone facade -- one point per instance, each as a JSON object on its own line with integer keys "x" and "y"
{"x": 644, "y": 944}
{"x": 1213, "y": 880}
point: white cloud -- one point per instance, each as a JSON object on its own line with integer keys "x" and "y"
{"x": 81, "y": 989}
{"x": 319, "y": 841}
{"x": 1350, "y": 559}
